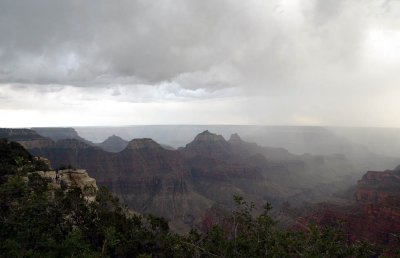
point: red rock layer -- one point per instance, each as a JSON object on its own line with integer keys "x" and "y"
{"x": 375, "y": 213}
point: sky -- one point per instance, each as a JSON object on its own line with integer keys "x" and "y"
{"x": 276, "y": 62}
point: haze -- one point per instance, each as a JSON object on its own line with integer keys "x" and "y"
{"x": 288, "y": 62}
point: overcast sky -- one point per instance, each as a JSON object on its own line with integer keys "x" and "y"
{"x": 275, "y": 62}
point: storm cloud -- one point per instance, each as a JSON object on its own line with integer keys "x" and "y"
{"x": 294, "y": 61}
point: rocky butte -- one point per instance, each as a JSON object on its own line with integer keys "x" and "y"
{"x": 113, "y": 144}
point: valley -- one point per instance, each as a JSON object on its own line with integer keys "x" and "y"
{"x": 181, "y": 184}
{"x": 192, "y": 186}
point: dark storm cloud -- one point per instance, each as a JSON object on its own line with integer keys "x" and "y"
{"x": 200, "y": 43}
{"x": 84, "y": 41}
{"x": 304, "y": 61}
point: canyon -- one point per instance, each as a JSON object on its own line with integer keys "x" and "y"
{"x": 193, "y": 186}
{"x": 181, "y": 184}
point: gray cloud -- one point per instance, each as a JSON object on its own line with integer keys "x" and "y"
{"x": 79, "y": 41}
{"x": 82, "y": 41}
{"x": 306, "y": 51}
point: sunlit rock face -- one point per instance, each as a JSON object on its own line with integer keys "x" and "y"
{"x": 77, "y": 178}
{"x": 72, "y": 178}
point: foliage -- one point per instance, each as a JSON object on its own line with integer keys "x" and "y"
{"x": 38, "y": 221}
{"x": 247, "y": 236}
{"x": 15, "y": 159}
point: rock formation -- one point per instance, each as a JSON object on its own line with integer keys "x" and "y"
{"x": 72, "y": 178}
{"x": 373, "y": 214}
{"x": 113, "y": 144}
{"x": 209, "y": 145}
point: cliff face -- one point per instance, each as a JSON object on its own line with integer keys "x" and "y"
{"x": 378, "y": 196}
{"x": 153, "y": 179}
{"x": 374, "y": 213}
{"x": 375, "y": 187}
{"x": 218, "y": 171}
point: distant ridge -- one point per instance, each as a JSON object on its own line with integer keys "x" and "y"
{"x": 60, "y": 133}
{"x": 19, "y": 134}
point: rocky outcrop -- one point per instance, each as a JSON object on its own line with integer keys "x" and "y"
{"x": 72, "y": 178}
{"x": 76, "y": 178}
